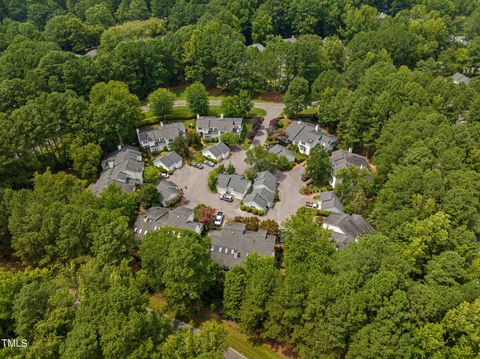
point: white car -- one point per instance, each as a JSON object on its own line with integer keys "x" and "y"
{"x": 219, "y": 219}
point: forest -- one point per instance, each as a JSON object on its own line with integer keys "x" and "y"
{"x": 76, "y": 283}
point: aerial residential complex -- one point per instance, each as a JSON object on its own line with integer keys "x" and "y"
{"x": 123, "y": 167}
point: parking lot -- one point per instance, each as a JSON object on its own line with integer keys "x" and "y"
{"x": 194, "y": 183}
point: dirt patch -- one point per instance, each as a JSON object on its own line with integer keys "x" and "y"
{"x": 270, "y": 96}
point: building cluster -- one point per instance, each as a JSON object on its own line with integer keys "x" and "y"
{"x": 233, "y": 243}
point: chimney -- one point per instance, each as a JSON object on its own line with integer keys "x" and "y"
{"x": 110, "y": 164}
{"x": 350, "y": 150}
{"x": 221, "y": 116}
{"x": 161, "y": 123}
{"x": 317, "y": 128}
{"x": 198, "y": 116}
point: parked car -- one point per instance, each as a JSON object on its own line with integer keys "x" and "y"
{"x": 164, "y": 175}
{"x": 209, "y": 163}
{"x": 314, "y": 205}
{"x": 226, "y": 197}
{"x": 197, "y": 165}
{"x": 219, "y": 219}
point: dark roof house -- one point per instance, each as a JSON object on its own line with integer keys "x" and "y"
{"x": 347, "y": 228}
{"x": 168, "y": 192}
{"x": 123, "y": 167}
{"x": 219, "y": 151}
{"x": 170, "y": 161}
{"x": 156, "y": 138}
{"x": 459, "y": 78}
{"x": 214, "y": 127}
{"x": 306, "y": 136}
{"x": 234, "y": 243}
{"x": 156, "y": 217}
{"x": 342, "y": 159}
{"x": 280, "y": 150}
{"x": 263, "y": 194}
{"x": 234, "y": 184}
{"x": 330, "y": 202}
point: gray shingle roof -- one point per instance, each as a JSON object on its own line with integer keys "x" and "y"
{"x": 280, "y": 150}
{"x": 264, "y": 188}
{"x": 161, "y": 134}
{"x": 256, "y": 198}
{"x": 169, "y": 159}
{"x": 233, "y": 244}
{"x": 329, "y": 201}
{"x": 308, "y": 133}
{"x": 156, "y": 217}
{"x": 218, "y": 149}
{"x": 123, "y": 167}
{"x": 225, "y": 124}
{"x": 266, "y": 179}
{"x": 234, "y": 182}
{"x": 352, "y": 226}
{"x": 342, "y": 159}
{"x": 460, "y": 78}
{"x": 168, "y": 192}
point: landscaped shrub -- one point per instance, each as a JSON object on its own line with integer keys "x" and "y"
{"x": 242, "y": 207}
{"x": 260, "y": 212}
{"x": 255, "y": 211}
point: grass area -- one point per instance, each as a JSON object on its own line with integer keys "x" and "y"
{"x": 183, "y": 113}
{"x": 213, "y": 94}
{"x": 248, "y": 346}
{"x": 156, "y": 302}
{"x": 257, "y": 112}
{"x": 310, "y": 111}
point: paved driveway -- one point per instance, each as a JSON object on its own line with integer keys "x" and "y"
{"x": 194, "y": 181}
{"x": 288, "y": 191}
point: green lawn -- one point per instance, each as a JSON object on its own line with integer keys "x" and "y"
{"x": 156, "y": 302}
{"x": 310, "y": 111}
{"x": 257, "y": 112}
{"x": 239, "y": 341}
{"x": 246, "y": 346}
{"x": 183, "y": 113}
{"x": 213, "y": 94}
